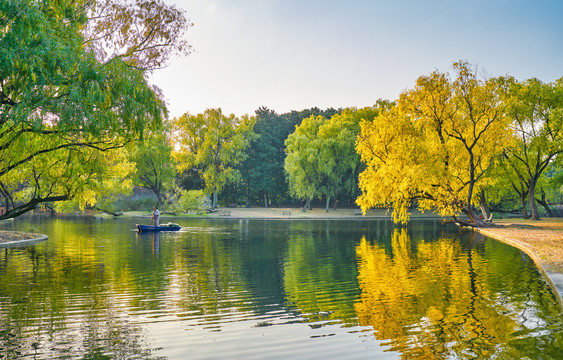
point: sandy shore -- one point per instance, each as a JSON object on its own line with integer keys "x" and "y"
{"x": 296, "y": 213}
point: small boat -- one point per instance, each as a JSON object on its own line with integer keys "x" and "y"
{"x": 162, "y": 227}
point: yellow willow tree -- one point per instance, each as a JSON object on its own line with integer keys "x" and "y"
{"x": 435, "y": 146}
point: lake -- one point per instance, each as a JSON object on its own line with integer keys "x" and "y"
{"x": 271, "y": 289}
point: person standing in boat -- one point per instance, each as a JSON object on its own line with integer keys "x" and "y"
{"x": 155, "y": 216}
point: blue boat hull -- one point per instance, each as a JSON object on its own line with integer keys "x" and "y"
{"x": 142, "y": 228}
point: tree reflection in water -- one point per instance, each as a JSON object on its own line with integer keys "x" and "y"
{"x": 441, "y": 300}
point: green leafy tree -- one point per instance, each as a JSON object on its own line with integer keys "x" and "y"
{"x": 262, "y": 171}
{"x": 62, "y": 104}
{"x": 338, "y": 159}
{"x": 554, "y": 181}
{"x": 321, "y": 157}
{"x": 214, "y": 144}
{"x": 536, "y": 111}
{"x": 155, "y": 169}
{"x": 106, "y": 181}
{"x": 302, "y": 161}
{"x": 192, "y": 200}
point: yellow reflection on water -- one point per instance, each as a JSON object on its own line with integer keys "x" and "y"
{"x": 432, "y": 302}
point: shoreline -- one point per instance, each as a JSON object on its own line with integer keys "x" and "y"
{"x": 9, "y": 239}
{"x": 541, "y": 240}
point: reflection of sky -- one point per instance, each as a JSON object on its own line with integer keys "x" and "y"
{"x": 529, "y": 319}
{"x": 246, "y": 337}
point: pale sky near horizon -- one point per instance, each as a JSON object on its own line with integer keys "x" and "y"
{"x": 293, "y": 55}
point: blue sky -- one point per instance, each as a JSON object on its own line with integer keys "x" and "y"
{"x": 292, "y": 55}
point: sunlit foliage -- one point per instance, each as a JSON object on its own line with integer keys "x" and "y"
{"x": 154, "y": 167}
{"x": 61, "y": 104}
{"x": 435, "y": 146}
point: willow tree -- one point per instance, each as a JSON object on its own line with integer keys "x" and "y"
{"x": 435, "y": 147}
{"x": 302, "y": 163}
{"x": 65, "y": 97}
{"x": 536, "y": 110}
{"x": 212, "y": 143}
{"x": 321, "y": 157}
{"x": 143, "y": 33}
{"x": 154, "y": 166}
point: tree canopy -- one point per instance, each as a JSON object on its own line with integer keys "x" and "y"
{"x": 435, "y": 146}
{"x": 321, "y": 159}
{"x": 214, "y": 144}
{"x": 302, "y": 163}
{"x": 262, "y": 170}
{"x": 536, "y": 110}
{"x": 60, "y": 103}
{"x": 154, "y": 166}
{"x": 142, "y": 33}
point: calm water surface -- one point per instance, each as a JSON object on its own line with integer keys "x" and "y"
{"x": 272, "y": 289}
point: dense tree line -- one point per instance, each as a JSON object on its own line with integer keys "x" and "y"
{"x": 452, "y": 144}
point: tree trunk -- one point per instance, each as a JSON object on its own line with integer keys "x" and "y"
{"x": 522, "y": 195}
{"x": 112, "y": 213}
{"x": 30, "y": 205}
{"x": 532, "y": 200}
{"x": 473, "y": 217}
{"x": 543, "y": 203}
{"x": 524, "y": 206}
{"x": 476, "y": 222}
{"x": 469, "y": 208}
{"x": 214, "y": 201}
{"x": 327, "y": 203}
{"x": 159, "y": 197}
{"x": 307, "y": 205}
{"x": 265, "y": 200}
{"x": 247, "y": 204}
{"x": 483, "y": 205}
